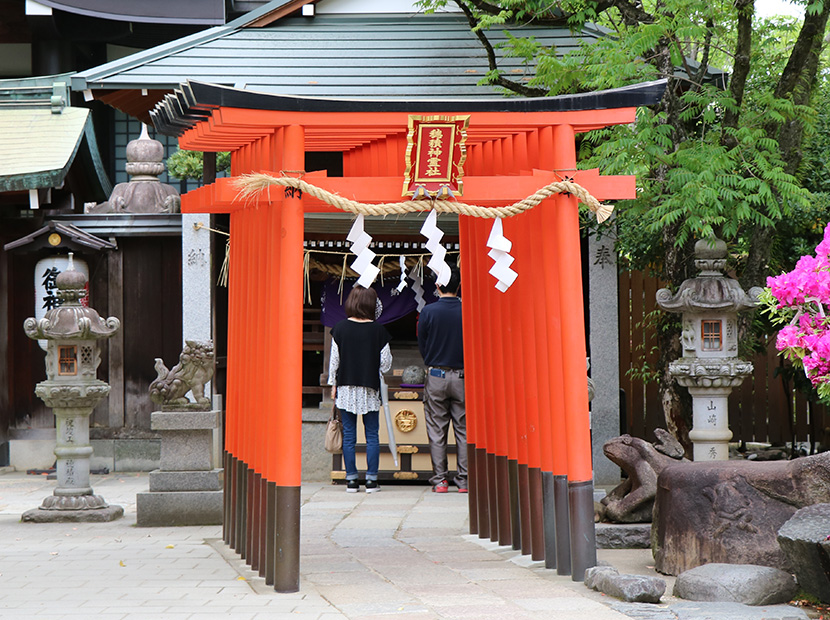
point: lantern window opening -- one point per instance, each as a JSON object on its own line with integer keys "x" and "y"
{"x": 712, "y": 335}
{"x": 67, "y": 360}
{"x": 87, "y": 354}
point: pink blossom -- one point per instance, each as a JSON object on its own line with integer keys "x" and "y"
{"x": 807, "y": 290}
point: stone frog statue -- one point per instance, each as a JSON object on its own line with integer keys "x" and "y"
{"x": 194, "y": 370}
{"x": 633, "y": 499}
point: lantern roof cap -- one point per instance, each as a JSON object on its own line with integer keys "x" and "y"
{"x": 711, "y": 290}
{"x": 71, "y": 320}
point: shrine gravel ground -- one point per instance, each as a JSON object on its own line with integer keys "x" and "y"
{"x": 403, "y": 553}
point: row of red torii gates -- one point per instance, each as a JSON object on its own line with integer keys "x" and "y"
{"x": 528, "y": 422}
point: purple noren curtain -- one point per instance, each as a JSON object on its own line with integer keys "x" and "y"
{"x": 395, "y": 305}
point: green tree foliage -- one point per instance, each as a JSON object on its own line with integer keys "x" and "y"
{"x": 189, "y": 164}
{"x": 724, "y": 151}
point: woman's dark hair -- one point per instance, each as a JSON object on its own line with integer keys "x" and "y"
{"x": 361, "y": 302}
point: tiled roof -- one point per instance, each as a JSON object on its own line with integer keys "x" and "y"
{"x": 40, "y": 136}
{"x": 341, "y": 55}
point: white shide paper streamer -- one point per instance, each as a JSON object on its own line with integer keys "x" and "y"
{"x": 360, "y": 246}
{"x": 437, "y": 263}
{"x": 416, "y": 275}
{"x": 402, "y": 285}
{"x": 500, "y": 253}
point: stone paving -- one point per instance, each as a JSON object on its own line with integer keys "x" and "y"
{"x": 402, "y": 553}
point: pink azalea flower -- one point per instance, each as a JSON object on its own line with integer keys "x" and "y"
{"x": 807, "y": 289}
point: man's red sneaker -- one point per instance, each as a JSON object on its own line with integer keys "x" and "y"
{"x": 441, "y": 487}
{"x": 462, "y": 489}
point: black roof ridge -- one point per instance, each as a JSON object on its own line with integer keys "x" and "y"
{"x": 193, "y": 101}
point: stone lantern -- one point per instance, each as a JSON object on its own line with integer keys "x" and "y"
{"x": 72, "y": 390}
{"x": 710, "y": 366}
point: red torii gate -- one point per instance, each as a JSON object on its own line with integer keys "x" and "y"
{"x": 528, "y": 423}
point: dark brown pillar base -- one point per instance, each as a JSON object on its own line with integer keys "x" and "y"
{"x": 482, "y": 494}
{"x": 536, "y": 515}
{"x": 515, "y": 515}
{"x": 270, "y": 533}
{"x": 249, "y": 515}
{"x": 472, "y": 475}
{"x": 503, "y": 494}
{"x": 563, "y": 527}
{"x": 583, "y": 534}
{"x": 227, "y": 521}
{"x": 263, "y": 525}
{"x": 241, "y": 505}
{"x": 492, "y": 484}
{"x": 550, "y": 519}
{"x": 287, "y": 573}
{"x": 227, "y": 495}
{"x": 524, "y": 509}
{"x": 253, "y": 518}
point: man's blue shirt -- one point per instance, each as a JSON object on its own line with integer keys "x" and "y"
{"x": 439, "y": 333}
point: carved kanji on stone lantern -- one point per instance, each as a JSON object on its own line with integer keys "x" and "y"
{"x": 710, "y": 366}
{"x": 72, "y": 390}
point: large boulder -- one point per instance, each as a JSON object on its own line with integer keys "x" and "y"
{"x": 736, "y": 583}
{"x": 730, "y": 511}
{"x": 805, "y": 540}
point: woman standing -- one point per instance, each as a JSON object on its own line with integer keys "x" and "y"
{"x": 359, "y": 353}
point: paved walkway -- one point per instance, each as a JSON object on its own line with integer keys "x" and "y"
{"x": 402, "y": 553}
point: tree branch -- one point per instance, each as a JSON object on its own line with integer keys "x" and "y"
{"x": 484, "y": 7}
{"x": 740, "y": 69}
{"x": 632, "y": 13}
{"x": 800, "y": 64}
{"x": 707, "y": 48}
{"x": 516, "y": 87}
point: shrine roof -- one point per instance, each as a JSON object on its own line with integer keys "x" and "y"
{"x": 344, "y": 56}
{"x": 148, "y": 11}
{"x": 42, "y": 136}
{"x": 73, "y": 238}
{"x": 336, "y": 55}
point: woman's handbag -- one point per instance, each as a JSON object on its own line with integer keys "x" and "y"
{"x": 334, "y": 432}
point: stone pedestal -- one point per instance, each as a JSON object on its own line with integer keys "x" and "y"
{"x": 73, "y": 499}
{"x": 187, "y": 488}
{"x": 710, "y": 432}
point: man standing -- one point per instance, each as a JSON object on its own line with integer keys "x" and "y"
{"x": 440, "y": 342}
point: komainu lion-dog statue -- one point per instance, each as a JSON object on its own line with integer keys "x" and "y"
{"x": 194, "y": 370}
{"x": 633, "y": 499}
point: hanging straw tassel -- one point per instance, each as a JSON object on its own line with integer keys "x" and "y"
{"x": 226, "y": 265}
{"x": 603, "y": 212}
{"x": 307, "y": 276}
{"x": 380, "y": 268}
{"x": 342, "y": 277}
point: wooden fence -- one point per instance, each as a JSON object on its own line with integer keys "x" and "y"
{"x": 763, "y": 409}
